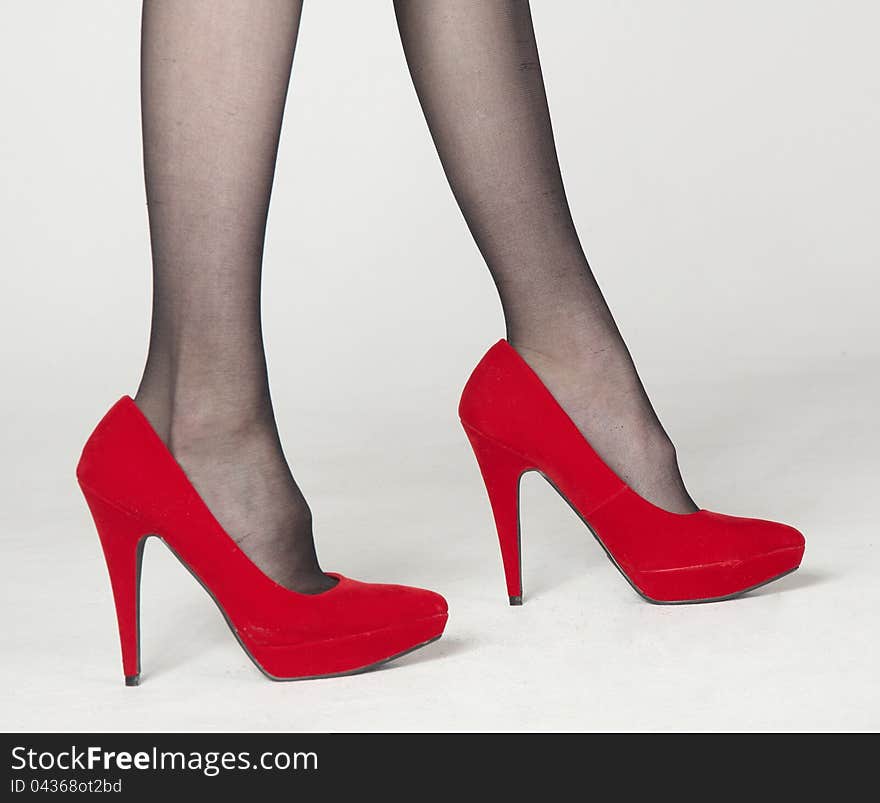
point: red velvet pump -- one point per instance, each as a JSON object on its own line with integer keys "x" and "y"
{"x": 135, "y": 488}
{"x": 515, "y": 425}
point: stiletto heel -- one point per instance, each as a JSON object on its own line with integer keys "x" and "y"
{"x": 122, "y": 539}
{"x": 501, "y": 470}
{"x": 135, "y": 488}
{"x": 515, "y": 425}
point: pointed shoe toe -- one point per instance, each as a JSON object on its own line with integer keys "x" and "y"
{"x": 729, "y": 557}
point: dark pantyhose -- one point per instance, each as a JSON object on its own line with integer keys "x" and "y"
{"x": 214, "y": 83}
{"x": 214, "y": 78}
{"x": 476, "y": 70}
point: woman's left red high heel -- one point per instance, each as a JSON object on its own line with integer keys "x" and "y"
{"x": 135, "y": 488}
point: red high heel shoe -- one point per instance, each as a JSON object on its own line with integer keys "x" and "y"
{"x": 515, "y": 425}
{"x": 135, "y": 488}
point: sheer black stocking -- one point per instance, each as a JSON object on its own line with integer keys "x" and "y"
{"x": 214, "y": 80}
{"x": 477, "y": 74}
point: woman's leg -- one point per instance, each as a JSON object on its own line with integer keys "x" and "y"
{"x": 476, "y": 70}
{"x": 214, "y": 81}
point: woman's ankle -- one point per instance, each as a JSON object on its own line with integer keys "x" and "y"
{"x": 601, "y": 392}
{"x": 231, "y": 454}
{"x": 191, "y": 421}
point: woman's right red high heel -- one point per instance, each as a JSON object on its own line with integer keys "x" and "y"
{"x": 135, "y": 488}
{"x": 515, "y": 425}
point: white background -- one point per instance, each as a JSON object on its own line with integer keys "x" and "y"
{"x": 722, "y": 164}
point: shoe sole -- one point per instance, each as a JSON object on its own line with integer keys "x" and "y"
{"x": 134, "y": 680}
